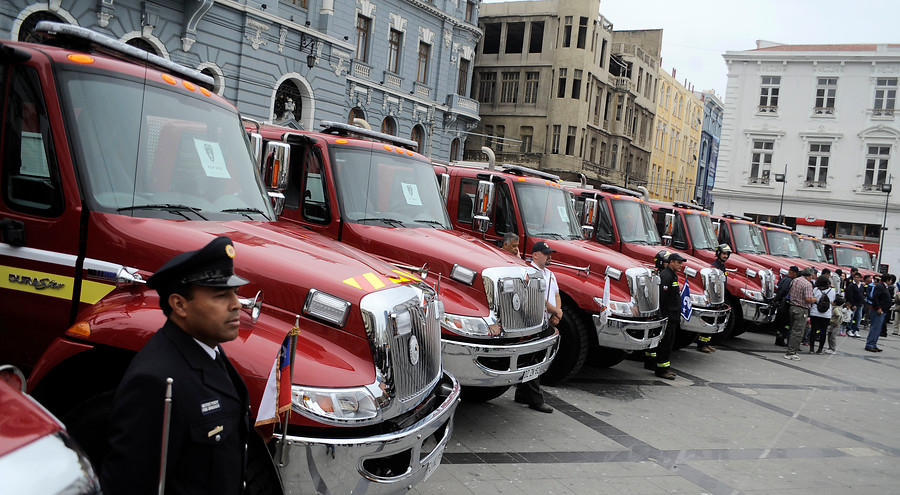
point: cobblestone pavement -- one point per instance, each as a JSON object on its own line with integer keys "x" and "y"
{"x": 740, "y": 420}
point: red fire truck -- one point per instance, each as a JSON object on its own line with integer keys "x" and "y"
{"x": 624, "y": 222}
{"x": 31, "y": 439}
{"x": 783, "y": 242}
{"x": 848, "y": 254}
{"x": 532, "y": 204}
{"x": 113, "y": 162}
{"x": 370, "y": 191}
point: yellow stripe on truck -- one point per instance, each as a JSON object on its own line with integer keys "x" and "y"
{"x": 51, "y": 285}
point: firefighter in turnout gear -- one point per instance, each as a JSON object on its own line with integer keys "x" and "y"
{"x": 657, "y": 358}
{"x": 723, "y": 252}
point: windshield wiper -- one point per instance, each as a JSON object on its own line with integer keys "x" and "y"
{"x": 172, "y": 208}
{"x": 389, "y": 221}
{"x": 244, "y": 211}
{"x": 430, "y": 222}
{"x": 551, "y": 235}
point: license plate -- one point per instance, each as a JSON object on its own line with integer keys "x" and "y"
{"x": 432, "y": 466}
{"x": 530, "y": 374}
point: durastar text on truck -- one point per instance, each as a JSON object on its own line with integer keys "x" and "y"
{"x": 113, "y": 161}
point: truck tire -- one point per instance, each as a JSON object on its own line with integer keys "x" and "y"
{"x": 482, "y": 394}
{"x": 684, "y": 339}
{"x": 573, "y": 345}
{"x": 607, "y": 357}
{"x": 735, "y": 325}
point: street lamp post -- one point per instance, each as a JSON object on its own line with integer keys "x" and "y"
{"x": 781, "y": 178}
{"x": 886, "y": 189}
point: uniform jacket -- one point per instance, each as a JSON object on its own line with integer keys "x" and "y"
{"x": 783, "y": 289}
{"x": 209, "y": 422}
{"x": 881, "y": 298}
{"x": 669, "y": 292}
{"x": 717, "y": 263}
{"x": 854, "y": 295}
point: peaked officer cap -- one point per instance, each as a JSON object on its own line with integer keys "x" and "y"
{"x": 210, "y": 266}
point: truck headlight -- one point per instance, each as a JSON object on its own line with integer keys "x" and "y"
{"x": 466, "y": 325}
{"x": 690, "y": 272}
{"x": 620, "y": 308}
{"x": 324, "y": 306}
{"x": 335, "y": 406}
{"x": 753, "y": 294}
{"x": 463, "y": 274}
{"x": 699, "y": 300}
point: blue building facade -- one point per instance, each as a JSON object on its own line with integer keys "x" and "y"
{"x": 713, "y": 111}
{"x": 405, "y": 66}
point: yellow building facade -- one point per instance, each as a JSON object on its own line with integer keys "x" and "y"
{"x": 676, "y": 141}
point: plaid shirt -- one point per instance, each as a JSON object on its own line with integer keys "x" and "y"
{"x": 800, "y": 290}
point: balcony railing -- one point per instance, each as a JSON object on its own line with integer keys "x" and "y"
{"x": 361, "y": 70}
{"x": 823, "y": 110}
{"x": 815, "y": 184}
{"x": 461, "y": 104}
{"x": 422, "y": 90}
{"x": 882, "y": 112}
{"x": 391, "y": 79}
{"x": 758, "y": 180}
{"x": 768, "y": 109}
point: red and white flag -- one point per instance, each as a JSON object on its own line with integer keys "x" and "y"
{"x": 276, "y": 397}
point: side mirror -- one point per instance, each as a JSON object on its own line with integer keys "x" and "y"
{"x": 484, "y": 200}
{"x": 716, "y": 226}
{"x": 444, "y": 184}
{"x": 588, "y": 217}
{"x": 667, "y": 240}
{"x": 274, "y": 172}
{"x": 256, "y": 148}
{"x": 587, "y": 232}
{"x": 670, "y": 223}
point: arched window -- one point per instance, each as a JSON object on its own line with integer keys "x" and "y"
{"x": 143, "y": 45}
{"x": 389, "y": 126}
{"x": 355, "y": 113}
{"x": 288, "y": 103}
{"x": 418, "y": 135}
{"x": 26, "y": 30}
{"x": 454, "y": 149}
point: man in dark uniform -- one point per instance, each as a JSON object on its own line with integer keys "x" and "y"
{"x": 782, "y": 321}
{"x": 723, "y": 252}
{"x": 669, "y": 307}
{"x": 209, "y": 420}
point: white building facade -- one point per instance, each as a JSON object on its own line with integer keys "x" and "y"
{"x": 824, "y": 116}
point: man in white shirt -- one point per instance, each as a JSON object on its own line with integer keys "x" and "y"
{"x": 530, "y": 391}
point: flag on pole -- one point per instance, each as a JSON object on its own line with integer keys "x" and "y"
{"x": 605, "y": 311}
{"x": 276, "y": 397}
{"x": 686, "y": 309}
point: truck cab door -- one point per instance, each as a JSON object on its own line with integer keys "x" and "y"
{"x": 39, "y": 224}
{"x": 308, "y": 199}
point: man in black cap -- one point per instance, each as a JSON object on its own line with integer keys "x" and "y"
{"x": 530, "y": 392}
{"x": 782, "y": 321}
{"x": 209, "y": 420}
{"x": 669, "y": 307}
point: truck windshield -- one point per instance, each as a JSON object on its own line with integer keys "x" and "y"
{"x": 634, "y": 221}
{"x": 701, "y": 231}
{"x": 547, "y": 211}
{"x": 375, "y": 187}
{"x": 152, "y": 150}
{"x": 853, "y": 257}
{"x": 746, "y": 239}
{"x": 782, "y": 244}
{"x": 811, "y": 250}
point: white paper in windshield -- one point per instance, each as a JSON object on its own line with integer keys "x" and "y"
{"x": 563, "y": 215}
{"x": 411, "y": 193}
{"x": 211, "y": 159}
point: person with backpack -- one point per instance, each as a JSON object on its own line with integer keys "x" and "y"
{"x": 820, "y": 312}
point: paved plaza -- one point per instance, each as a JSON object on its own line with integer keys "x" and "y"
{"x": 741, "y": 420}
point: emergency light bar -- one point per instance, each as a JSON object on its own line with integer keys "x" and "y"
{"x": 341, "y": 129}
{"x": 729, "y": 214}
{"x": 689, "y": 206}
{"x": 520, "y": 170}
{"x": 620, "y": 190}
{"x": 775, "y": 225}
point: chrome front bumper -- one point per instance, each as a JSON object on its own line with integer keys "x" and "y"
{"x": 706, "y": 321}
{"x": 629, "y": 335}
{"x": 757, "y": 312}
{"x": 382, "y": 464}
{"x": 484, "y": 365}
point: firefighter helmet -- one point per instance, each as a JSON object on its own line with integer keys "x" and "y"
{"x": 723, "y": 248}
{"x": 661, "y": 259}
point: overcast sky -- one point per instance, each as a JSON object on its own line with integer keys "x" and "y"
{"x": 697, "y": 32}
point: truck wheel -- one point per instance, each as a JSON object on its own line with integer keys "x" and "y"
{"x": 573, "y": 346}
{"x": 735, "y": 325}
{"x": 683, "y": 339}
{"x": 88, "y": 423}
{"x": 607, "y": 357}
{"x": 482, "y": 394}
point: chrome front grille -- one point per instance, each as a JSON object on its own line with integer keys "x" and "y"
{"x": 516, "y": 297}
{"x": 714, "y": 285}
{"x": 644, "y": 287}
{"x": 767, "y": 280}
{"x": 403, "y": 327}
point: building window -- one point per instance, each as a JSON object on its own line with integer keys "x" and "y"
{"x": 582, "y": 32}
{"x": 526, "y": 135}
{"x": 501, "y": 134}
{"x": 876, "y": 166}
{"x": 489, "y": 136}
{"x": 536, "y": 39}
{"x": 768, "y": 94}
{"x": 418, "y": 135}
{"x": 885, "y": 96}
{"x": 567, "y": 32}
{"x": 593, "y": 149}
{"x": 761, "y": 160}
{"x": 487, "y": 82}
{"x": 826, "y": 90}
{"x": 554, "y": 141}
{"x": 454, "y": 150}
{"x": 515, "y": 37}
{"x": 531, "y": 86}
{"x": 394, "y": 42}
{"x": 491, "y": 38}
{"x": 389, "y": 126}
{"x": 363, "y": 24}
{"x": 614, "y": 157}
{"x": 470, "y": 11}
{"x": 603, "y": 53}
{"x": 576, "y": 85}
{"x": 463, "y": 79}
{"x": 570, "y": 141}
{"x": 620, "y": 100}
{"x": 355, "y": 113}
{"x": 424, "y": 53}
{"x": 817, "y": 164}
{"x": 561, "y": 87}
{"x": 509, "y": 87}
